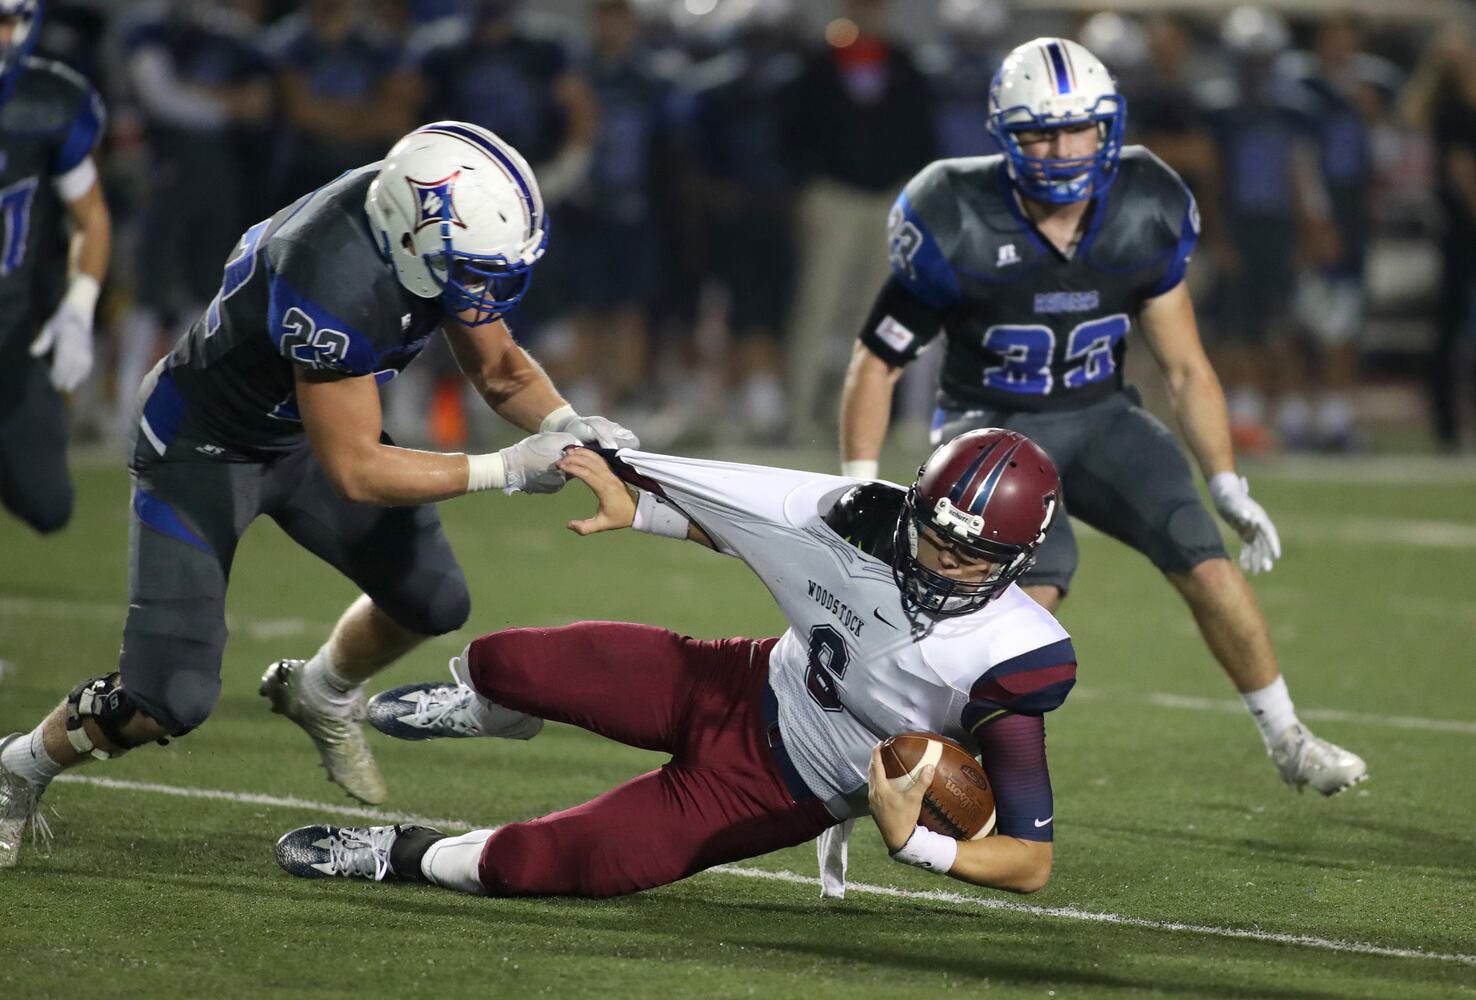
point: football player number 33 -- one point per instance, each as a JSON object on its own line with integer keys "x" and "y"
{"x": 1026, "y": 351}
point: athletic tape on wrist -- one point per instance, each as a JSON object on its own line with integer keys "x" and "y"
{"x": 655, "y": 516}
{"x": 926, "y": 849}
{"x": 485, "y": 472}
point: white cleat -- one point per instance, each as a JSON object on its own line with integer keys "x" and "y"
{"x": 339, "y": 738}
{"x": 1307, "y": 761}
{"x": 438, "y": 710}
{"x": 20, "y": 806}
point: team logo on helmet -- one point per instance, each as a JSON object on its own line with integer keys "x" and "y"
{"x": 433, "y": 202}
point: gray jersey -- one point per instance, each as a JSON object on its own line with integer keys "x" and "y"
{"x": 49, "y": 125}
{"x": 1027, "y": 327}
{"x": 306, "y": 288}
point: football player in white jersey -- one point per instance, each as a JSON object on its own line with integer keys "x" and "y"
{"x": 903, "y": 615}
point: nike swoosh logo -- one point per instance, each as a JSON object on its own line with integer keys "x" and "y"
{"x": 877, "y": 612}
{"x": 1042, "y": 822}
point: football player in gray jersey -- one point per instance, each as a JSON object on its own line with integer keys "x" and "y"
{"x": 270, "y": 405}
{"x": 50, "y": 122}
{"x": 1033, "y": 264}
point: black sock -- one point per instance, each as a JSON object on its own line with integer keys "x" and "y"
{"x": 409, "y": 848}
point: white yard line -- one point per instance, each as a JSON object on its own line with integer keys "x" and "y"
{"x": 1164, "y": 699}
{"x": 859, "y": 888}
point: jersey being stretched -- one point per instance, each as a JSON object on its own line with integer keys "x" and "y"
{"x": 306, "y": 288}
{"x": 853, "y": 668}
{"x": 1026, "y": 326}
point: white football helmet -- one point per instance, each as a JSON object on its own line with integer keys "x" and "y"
{"x": 1051, "y": 83}
{"x": 458, "y": 214}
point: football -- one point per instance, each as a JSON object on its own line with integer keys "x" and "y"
{"x": 959, "y": 803}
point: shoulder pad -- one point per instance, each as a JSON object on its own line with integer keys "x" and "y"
{"x": 866, "y": 515}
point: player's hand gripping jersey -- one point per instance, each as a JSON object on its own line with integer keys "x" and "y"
{"x": 1027, "y": 327}
{"x": 853, "y": 667}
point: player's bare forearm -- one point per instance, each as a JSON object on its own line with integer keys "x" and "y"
{"x": 93, "y": 239}
{"x": 866, "y": 404}
{"x": 513, "y": 384}
{"x": 343, "y": 420}
{"x": 1172, "y": 334}
{"x": 1001, "y": 862}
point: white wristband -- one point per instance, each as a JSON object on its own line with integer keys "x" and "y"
{"x": 926, "y": 849}
{"x": 556, "y": 420}
{"x": 655, "y": 516}
{"x": 82, "y": 292}
{"x": 485, "y": 472}
{"x": 860, "y": 468}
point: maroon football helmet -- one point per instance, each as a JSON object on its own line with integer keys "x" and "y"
{"x": 991, "y": 492}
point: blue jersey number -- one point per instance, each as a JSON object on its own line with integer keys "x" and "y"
{"x": 238, "y": 271}
{"x": 1025, "y": 355}
{"x": 1026, "y": 352}
{"x": 15, "y": 219}
{"x": 1089, "y": 350}
{"x": 828, "y": 659}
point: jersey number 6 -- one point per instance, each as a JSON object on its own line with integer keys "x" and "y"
{"x": 828, "y": 659}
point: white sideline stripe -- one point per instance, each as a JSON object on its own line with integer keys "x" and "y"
{"x": 1090, "y": 916}
{"x": 861, "y": 888}
{"x": 1164, "y": 700}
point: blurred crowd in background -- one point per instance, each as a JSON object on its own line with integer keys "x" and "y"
{"x": 719, "y": 174}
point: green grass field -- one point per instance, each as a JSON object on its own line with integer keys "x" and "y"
{"x": 1183, "y": 868}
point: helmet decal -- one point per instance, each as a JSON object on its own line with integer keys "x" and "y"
{"x": 435, "y": 203}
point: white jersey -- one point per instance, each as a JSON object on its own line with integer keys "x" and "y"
{"x": 852, "y": 668}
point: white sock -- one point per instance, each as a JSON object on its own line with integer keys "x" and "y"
{"x": 1272, "y": 709}
{"x": 28, "y": 758}
{"x": 452, "y": 863}
{"x": 324, "y": 685}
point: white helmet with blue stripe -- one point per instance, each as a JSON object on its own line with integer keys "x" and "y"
{"x": 1053, "y": 83}
{"x": 458, "y": 214}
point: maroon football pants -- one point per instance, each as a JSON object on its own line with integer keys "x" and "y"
{"x": 721, "y": 798}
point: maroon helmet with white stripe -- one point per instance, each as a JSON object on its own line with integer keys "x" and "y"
{"x": 992, "y": 493}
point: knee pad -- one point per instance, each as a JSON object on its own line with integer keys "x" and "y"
{"x": 106, "y": 703}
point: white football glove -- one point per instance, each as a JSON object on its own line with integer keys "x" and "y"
{"x": 528, "y": 465}
{"x": 1261, "y": 545}
{"x": 590, "y": 430}
{"x": 68, "y": 336}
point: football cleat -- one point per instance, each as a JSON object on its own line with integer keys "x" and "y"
{"x": 339, "y": 738}
{"x": 438, "y": 710}
{"x": 20, "y": 806}
{"x": 349, "y": 851}
{"x": 1307, "y": 761}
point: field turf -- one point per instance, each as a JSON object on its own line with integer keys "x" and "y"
{"x": 1183, "y": 868}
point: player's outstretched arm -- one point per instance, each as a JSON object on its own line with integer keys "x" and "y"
{"x": 617, "y": 500}
{"x": 997, "y": 862}
{"x": 513, "y": 384}
{"x": 343, "y": 420}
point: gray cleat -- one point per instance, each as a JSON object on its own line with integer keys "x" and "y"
{"x": 20, "y": 806}
{"x": 339, "y": 738}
